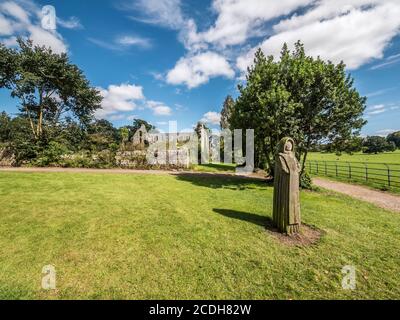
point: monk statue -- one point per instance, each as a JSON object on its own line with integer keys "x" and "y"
{"x": 286, "y": 213}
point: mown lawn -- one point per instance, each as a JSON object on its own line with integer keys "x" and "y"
{"x": 215, "y": 168}
{"x": 385, "y": 157}
{"x": 380, "y": 171}
{"x": 153, "y": 237}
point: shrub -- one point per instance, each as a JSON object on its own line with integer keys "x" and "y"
{"x": 51, "y": 155}
{"x": 306, "y": 181}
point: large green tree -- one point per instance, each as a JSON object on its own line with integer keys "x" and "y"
{"x": 395, "y": 138}
{"x": 377, "y": 144}
{"x": 5, "y": 122}
{"x": 226, "y": 112}
{"x": 47, "y": 84}
{"x": 300, "y": 96}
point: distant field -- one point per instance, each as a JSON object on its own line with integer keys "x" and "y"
{"x": 380, "y": 171}
{"x": 387, "y": 157}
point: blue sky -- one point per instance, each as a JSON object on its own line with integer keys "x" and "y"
{"x": 164, "y": 60}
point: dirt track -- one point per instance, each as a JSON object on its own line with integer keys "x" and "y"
{"x": 379, "y": 198}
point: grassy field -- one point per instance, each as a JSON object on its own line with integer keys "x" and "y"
{"x": 381, "y": 171}
{"x": 386, "y": 157}
{"x": 126, "y": 236}
{"x": 215, "y": 168}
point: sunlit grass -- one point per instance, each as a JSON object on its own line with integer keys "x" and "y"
{"x": 178, "y": 237}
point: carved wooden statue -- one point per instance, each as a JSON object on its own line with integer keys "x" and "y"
{"x": 286, "y": 213}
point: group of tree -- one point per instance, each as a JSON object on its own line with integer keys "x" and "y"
{"x": 377, "y": 144}
{"x": 67, "y": 137}
{"x": 369, "y": 144}
{"x": 56, "y": 106}
{"x": 306, "y": 98}
{"x": 394, "y": 138}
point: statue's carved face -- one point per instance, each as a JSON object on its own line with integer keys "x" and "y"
{"x": 288, "y": 146}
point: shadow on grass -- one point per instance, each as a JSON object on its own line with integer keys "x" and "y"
{"x": 308, "y": 236}
{"x": 256, "y": 219}
{"x": 227, "y": 181}
{"x": 219, "y": 167}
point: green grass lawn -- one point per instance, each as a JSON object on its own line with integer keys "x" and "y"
{"x": 215, "y": 168}
{"x": 381, "y": 171}
{"x": 386, "y": 157}
{"x": 132, "y": 236}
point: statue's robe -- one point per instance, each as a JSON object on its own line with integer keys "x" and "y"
{"x": 286, "y": 212}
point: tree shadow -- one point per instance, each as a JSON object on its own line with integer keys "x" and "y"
{"x": 226, "y": 181}
{"x": 256, "y": 219}
{"x": 219, "y": 167}
{"x": 308, "y": 236}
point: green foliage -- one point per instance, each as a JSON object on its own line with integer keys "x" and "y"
{"x": 5, "y": 121}
{"x": 377, "y": 144}
{"x": 47, "y": 85}
{"x": 138, "y": 123}
{"x": 200, "y": 126}
{"x": 395, "y": 138}
{"x": 101, "y": 135}
{"x": 51, "y": 155}
{"x": 124, "y": 134}
{"x": 350, "y": 146}
{"x": 8, "y": 66}
{"x": 306, "y": 181}
{"x": 298, "y": 96}
{"x": 226, "y": 112}
{"x": 22, "y": 141}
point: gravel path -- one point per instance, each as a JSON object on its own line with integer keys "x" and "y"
{"x": 379, "y": 198}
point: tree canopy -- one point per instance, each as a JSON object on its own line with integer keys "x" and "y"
{"x": 377, "y": 144}
{"x": 47, "y": 84}
{"x": 395, "y": 138}
{"x": 299, "y": 96}
{"x": 226, "y": 112}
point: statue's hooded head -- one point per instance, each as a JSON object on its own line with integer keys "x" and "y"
{"x": 286, "y": 145}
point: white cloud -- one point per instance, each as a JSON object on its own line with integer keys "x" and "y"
{"x": 116, "y": 117}
{"x": 211, "y": 118}
{"x": 355, "y": 31}
{"x": 23, "y": 18}
{"x": 385, "y": 132}
{"x": 43, "y": 37}
{"x": 12, "y": 9}
{"x": 131, "y": 117}
{"x": 5, "y": 26}
{"x": 196, "y": 70}
{"x": 119, "y": 98}
{"x": 377, "y": 109}
{"x": 166, "y": 13}
{"x": 159, "y": 108}
{"x": 133, "y": 41}
{"x": 122, "y": 43}
{"x": 379, "y": 92}
{"x": 239, "y": 19}
{"x": 387, "y": 62}
{"x": 71, "y": 23}
{"x": 123, "y": 98}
